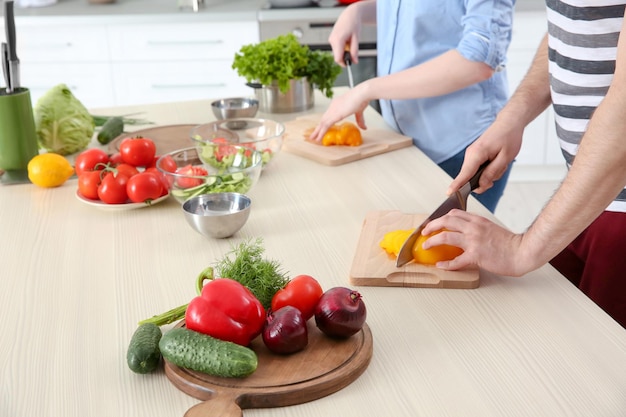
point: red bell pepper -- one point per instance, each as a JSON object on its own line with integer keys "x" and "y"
{"x": 226, "y": 310}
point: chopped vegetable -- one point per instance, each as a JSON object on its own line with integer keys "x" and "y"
{"x": 343, "y": 134}
{"x": 237, "y": 182}
{"x": 224, "y": 156}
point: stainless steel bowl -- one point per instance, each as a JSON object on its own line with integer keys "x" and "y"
{"x": 217, "y": 215}
{"x": 229, "y": 108}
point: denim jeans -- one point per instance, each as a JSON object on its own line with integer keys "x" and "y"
{"x": 490, "y": 197}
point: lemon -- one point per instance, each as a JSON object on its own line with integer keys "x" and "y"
{"x": 49, "y": 170}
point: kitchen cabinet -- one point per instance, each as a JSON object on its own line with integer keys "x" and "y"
{"x": 78, "y": 56}
{"x": 170, "y": 62}
{"x": 135, "y": 62}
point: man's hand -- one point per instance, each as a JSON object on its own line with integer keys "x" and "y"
{"x": 499, "y": 144}
{"x": 485, "y": 244}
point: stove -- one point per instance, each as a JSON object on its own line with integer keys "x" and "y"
{"x": 311, "y": 25}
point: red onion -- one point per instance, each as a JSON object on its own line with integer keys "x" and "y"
{"x": 340, "y": 312}
{"x": 285, "y": 331}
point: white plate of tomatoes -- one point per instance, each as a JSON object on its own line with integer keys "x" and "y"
{"x": 118, "y": 207}
{"x": 123, "y": 181}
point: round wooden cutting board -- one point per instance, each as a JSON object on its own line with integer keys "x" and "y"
{"x": 325, "y": 366}
{"x": 166, "y": 138}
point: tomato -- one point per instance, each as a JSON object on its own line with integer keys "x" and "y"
{"x": 112, "y": 190}
{"x": 144, "y": 187}
{"x": 115, "y": 159}
{"x": 127, "y": 169}
{"x": 88, "y": 183}
{"x": 87, "y": 160}
{"x": 138, "y": 151}
{"x": 190, "y": 171}
{"x": 302, "y": 292}
{"x": 165, "y": 183}
{"x": 168, "y": 164}
{"x": 436, "y": 253}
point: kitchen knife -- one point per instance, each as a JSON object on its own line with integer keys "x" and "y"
{"x": 348, "y": 60}
{"x": 5, "y": 66}
{"x": 457, "y": 200}
{"x": 14, "y": 62}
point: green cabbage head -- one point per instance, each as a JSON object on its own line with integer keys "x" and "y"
{"x": 63, "y": 124}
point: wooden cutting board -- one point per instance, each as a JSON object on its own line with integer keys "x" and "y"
{"x": 375, "y": 142}
{"x": 325, "y": 366}
{"x": 166, "y": 138}
{"x": 373, "y": 266}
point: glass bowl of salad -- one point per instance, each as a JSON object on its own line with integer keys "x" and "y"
{"x": 262, "y": 135}
{"x": 230, "y": 168}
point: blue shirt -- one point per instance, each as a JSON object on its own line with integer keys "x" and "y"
{"x": 411, "y": 32}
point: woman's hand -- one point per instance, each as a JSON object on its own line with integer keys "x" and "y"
{"x": 352, "y": 102}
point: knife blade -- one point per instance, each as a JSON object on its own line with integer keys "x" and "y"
{"x": 14, "y": 62}
{"x": 457, "y": 200}
{"x": 5, "y": 67}
{"x": 348, "y": 60}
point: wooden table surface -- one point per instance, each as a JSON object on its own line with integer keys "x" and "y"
{"x": 74, "y": 281}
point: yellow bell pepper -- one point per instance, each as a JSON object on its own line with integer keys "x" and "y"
{"x": 344, "y": 134}
{"x": 392, "y": 243}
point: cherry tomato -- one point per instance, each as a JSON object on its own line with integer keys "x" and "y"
{"x": 138, "y": 151}
{"x": 127, "y": 169}
{"x": 112, "y": 190}
{"x": 302, "y": 292}
{"x": 88, "y": 183}
{"x": 87, "y": 160}
{"x": 144, "y": 187}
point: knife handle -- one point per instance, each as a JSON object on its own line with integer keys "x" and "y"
{"x": 474, "y": 180}
{"x": 9, "y": 16}
{"x": 347, "y": 58}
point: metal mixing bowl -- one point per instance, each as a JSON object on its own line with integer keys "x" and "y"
{"x": 217, "y": 215}
{"x": 228, "y": 108}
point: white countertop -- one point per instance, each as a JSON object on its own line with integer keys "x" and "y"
{"x": 75, "y": 280}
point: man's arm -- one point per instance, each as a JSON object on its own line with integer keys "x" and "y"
{"x": 596, "y": 177}
{"x": 501, "y": 142}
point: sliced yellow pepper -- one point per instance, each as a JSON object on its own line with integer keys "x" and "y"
{"x": 392, "y": 241}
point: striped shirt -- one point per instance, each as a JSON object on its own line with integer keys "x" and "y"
{"x": 582, "y": 46}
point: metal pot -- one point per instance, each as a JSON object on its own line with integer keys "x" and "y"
{"x": 298, "y": 98}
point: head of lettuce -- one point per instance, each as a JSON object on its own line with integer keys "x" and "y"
{"x": 63, "y": 124}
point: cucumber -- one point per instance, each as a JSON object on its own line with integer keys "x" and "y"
{"x": 111, "y": 129}
{"x": 200, "y": 352}
{"x": 143, "y": 353}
